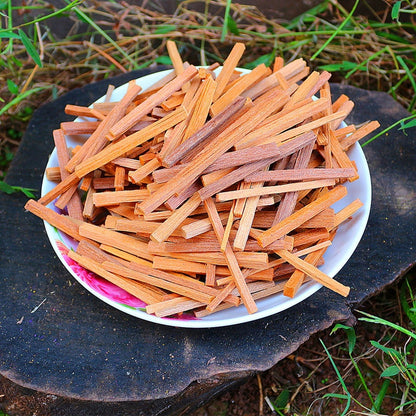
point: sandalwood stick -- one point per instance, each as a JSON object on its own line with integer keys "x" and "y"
{"x": 228, "y": 67}
{"x": 117, "y": 197}
{"x": 246, "y": 219}
{"x": 74, "y": 205}
{"x": 314, "y": 273}
{"x": 301, "y": 174}
{"x": 347, "y": 212}
{"x": 175, "y": 57}
{"x": 361, "y": 132}
{"x": 97, "y": 139}
{"x": 210, "y": 275}
{"x": 136, "y": 139}
{"x": 118, "y": 240}
{"x": 173, "y": 306}
{"x": 296, "y": 219}
{"x": 230, "y": 257}
{"x": 268, "y": 190}
{"x": 128, "y": 285}
{"x": 61, "y": 222}
{"x": 210, "y": 127}
{"x": 155, "y": 99}
{"x": 243, "y": 83}
{"x": 158, "y": 282}
{"x": 176, "y": 219}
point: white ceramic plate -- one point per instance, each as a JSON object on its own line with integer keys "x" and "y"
{"x": 343, "y": 246}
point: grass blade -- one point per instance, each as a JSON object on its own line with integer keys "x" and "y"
{"x": 20, "y": 97}
{"x": 48, "y": 16}
{"x": 363, "y": 64}
{"x": 376, "y": 320}
{"x": 380, "y": 396}
{"x": 348, "y": 395}
{"x": 9, "y": 189}
{"x": 30, "y": 48}
{"x": 226, "y": 23}
{"x": 87, "y": 19}
{"x": 388, "y": 129}
{"x": 410, "y": 76}
{"x": 395, "y": 10}
{"x": 335, "y": 33}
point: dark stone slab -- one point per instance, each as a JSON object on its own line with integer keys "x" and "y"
{"x": 83, "y": 357}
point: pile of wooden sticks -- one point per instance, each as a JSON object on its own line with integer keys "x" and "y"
{"x": 210, "y": 189}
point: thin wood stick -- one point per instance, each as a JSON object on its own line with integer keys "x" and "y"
{"x": 61, "y": 222}
{"x": 253, "y": 260}
{"x": 103, "y": 199}
{"x": 74, "y": 128}
{"x": 309, "y": 236}
{"x": 201, "y": 226}
{"x": 74, "y": 205}
{"x": 186, "y": 266}
{"x": 174, "y": 137}
{"x": 130, "y": 119}
{"x": 239, "y": 204}
{"x": 176, "y": 201}
{"x": 173, "y": 306}
{"x": 80, "y": 111}
{"x": 136, "y": 139}
{"x": 246, "y": 221}
{"x": 173, "y": 286}
{"x": 175, "y": 57}
{"x": 347, "y": 212}
{"x": 297, "y": 278}
{"x": 139, "y": 174}
{"x": 296, "y": 219}
{"x": 176, "y": 219}
{"x": 243, "y": 83}
{"x": 118, "y": 240}
{"x": 341, "y": 157}
{"x": 228, "y": 67}
{"x": 314, "y": 273}
{"x": 210, "y": 275}
{"x": 227, "y": 230}
{"x": 268, "y": 190}
{"x": 120, "y": 254}
{"x": 97, "y": 139}
{"x": 201, "y": 108}
{"x": 361, "y": 132}
{"x": 210, "y": 127}
{"x": 231, "y": 259}
{"x": 289, "y": 134}
{"x": 119, "y": 178}
{"x": 304, "y": 89}
{"x": 301, "y": 174}
{"x": 59, "y": 189}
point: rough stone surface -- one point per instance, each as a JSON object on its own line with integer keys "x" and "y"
{"x": 77, "y": 355}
